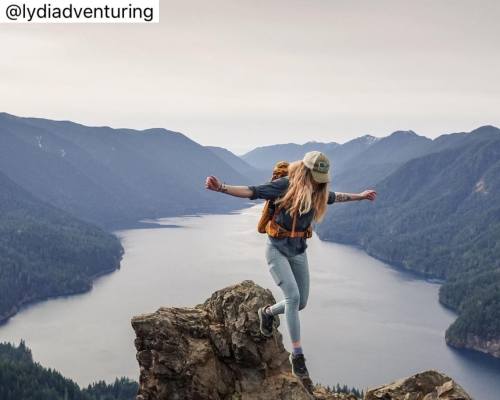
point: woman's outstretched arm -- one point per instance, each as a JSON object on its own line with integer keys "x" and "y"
{"x": 366, "y": 195}
{"x": 212, "y": 183}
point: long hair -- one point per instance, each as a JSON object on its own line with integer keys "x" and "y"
{"x": 303, "y": 194}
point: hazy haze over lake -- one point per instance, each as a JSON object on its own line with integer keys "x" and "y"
{"x": 365, "y": 323}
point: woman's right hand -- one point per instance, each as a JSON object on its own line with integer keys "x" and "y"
{"x": 369, "y": 195}
{"x": 212, "y": 183}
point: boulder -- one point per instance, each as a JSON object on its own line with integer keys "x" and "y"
{"x": 428, "y": 385}
{"x": 215, "y": 351}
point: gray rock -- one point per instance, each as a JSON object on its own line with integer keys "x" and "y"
{"x": 215, "y": 351}
{"x": 428, "y": 385}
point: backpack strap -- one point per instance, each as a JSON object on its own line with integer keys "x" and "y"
{"x": 277, "y": 210}
{"x": 294, "y": 224}
{"x": 273, "y": 229}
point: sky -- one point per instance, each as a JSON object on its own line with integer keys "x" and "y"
{"x": 247, "y": 73}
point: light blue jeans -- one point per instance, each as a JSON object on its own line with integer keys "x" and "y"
{"x": 291, "y": 274}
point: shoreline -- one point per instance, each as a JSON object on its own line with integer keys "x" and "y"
{"x": 126, "y": 225}
{"x": 429, "y": 278}
{"x": 29, "y": 302}
{"x": 154, "y": 224}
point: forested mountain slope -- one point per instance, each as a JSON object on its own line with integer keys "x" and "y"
{"x": 45, "y": 252}
{"x": 439, "y": 215}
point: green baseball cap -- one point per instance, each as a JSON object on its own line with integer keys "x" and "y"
{"x": 319, "y": 165}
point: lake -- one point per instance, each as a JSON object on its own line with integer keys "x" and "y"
{"x": 365, "y": 324}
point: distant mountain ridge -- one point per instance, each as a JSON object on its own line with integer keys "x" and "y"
{"x": 364, "y": 161}
{"x": 238, "y": 164}
{"x": 111, "y": 176}
{"x": 380, "y": 155}
{"x": 265, "y": 157}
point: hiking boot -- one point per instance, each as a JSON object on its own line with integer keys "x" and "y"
{"x": 266, "y": 322}
{"x": 299, "y": 368}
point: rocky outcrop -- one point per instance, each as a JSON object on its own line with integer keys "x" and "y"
{"x": 214, "y": 351}
{"x": 475, "y": 342}
{"x": 429, "y": 385}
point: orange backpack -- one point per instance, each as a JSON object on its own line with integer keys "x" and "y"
{"x": 267, "y": 223}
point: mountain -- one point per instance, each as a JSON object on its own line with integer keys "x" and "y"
{"x": 355, "y": 164}
{"x": 451, "y": 140}
{"x": 377, "y": 159}
{"x": 111, "y": 176}
{"x": 345, "y": 153}
{"x": 255, "y": 175}
{"x": 215, "y": 351}
{"x": 23, "y": 379}
{"x": 439, "y": 215}
{"x": 363, "y": 162}
{"x": 45, "y": 252}
{"x": 265, "y": 157}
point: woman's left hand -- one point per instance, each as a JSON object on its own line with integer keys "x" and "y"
{"x": 368, "y": 195}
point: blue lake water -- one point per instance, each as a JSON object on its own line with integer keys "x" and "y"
{"x": 366, "y": 323}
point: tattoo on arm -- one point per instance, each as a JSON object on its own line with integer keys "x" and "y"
{"x": 342, "y": 197}
{"x": 236, "y": 191}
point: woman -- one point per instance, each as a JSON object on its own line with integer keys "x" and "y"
{"x": 299, "y": 200}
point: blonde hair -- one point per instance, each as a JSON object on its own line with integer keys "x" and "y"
{"x": 304, "y": 194}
